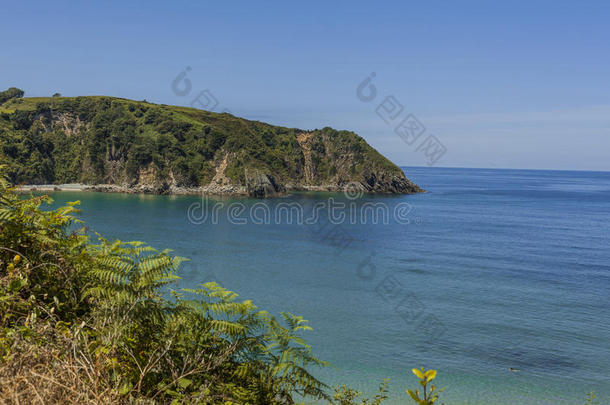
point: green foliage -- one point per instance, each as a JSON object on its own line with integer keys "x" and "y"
{"x": 348, "y": 396}
{"x": 430, "y": 393}
{"x": 591, "y": 399}
{"x": 10, "y": 93}
{"x": 116, "y": 303}
{"x": 110, "y": 140}
{"x": 35, "y": 252}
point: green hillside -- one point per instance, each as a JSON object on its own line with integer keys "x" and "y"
{"x": 106, "y": 140}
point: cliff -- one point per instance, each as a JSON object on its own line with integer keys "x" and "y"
{"x": 124, "y": 145}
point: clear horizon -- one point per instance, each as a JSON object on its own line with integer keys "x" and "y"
{"x": 519, "y": 86}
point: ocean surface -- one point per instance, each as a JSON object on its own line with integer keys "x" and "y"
{"x": 489, "y": 270}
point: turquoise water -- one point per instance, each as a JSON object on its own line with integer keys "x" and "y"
{"x": 494, "y": 269}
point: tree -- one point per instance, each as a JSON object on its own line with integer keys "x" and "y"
{"x": 12, "y": 92}
{"x": 57, "y": 95}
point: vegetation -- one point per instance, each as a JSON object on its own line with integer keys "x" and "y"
{"x": 11, "y": 93}
{"x": 96, "y": 140}
{"x": 591, "y": 399}
{"x": 430, "y": 393}
{"x": 347, "y": 396}
{"x": 101, "y": 322}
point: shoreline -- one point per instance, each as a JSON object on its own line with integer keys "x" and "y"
{"x": 216, "y": 190}
{"x": 114, "y": 188}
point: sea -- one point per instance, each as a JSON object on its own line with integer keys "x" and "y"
{"x": 497, "y": 279}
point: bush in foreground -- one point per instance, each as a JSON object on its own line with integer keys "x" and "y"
{"x": 101, "y": 322}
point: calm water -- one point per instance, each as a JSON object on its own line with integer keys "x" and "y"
{"x": 495, "y": 269}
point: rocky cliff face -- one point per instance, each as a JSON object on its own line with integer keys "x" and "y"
{"x": 123, "y": 145}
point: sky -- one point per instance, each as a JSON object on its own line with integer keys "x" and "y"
{"x": 499, "y": 85}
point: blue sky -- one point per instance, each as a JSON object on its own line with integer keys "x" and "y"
{"x": 522, "y": 85}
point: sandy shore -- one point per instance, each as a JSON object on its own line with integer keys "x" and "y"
{"x": 53, "y": 187}
{"x": 138, "y": 189}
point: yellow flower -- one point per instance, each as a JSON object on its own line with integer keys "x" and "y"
{"x": 17, "y": 259}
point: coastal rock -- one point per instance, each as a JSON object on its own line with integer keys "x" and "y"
{"x": 264, "y": 185}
